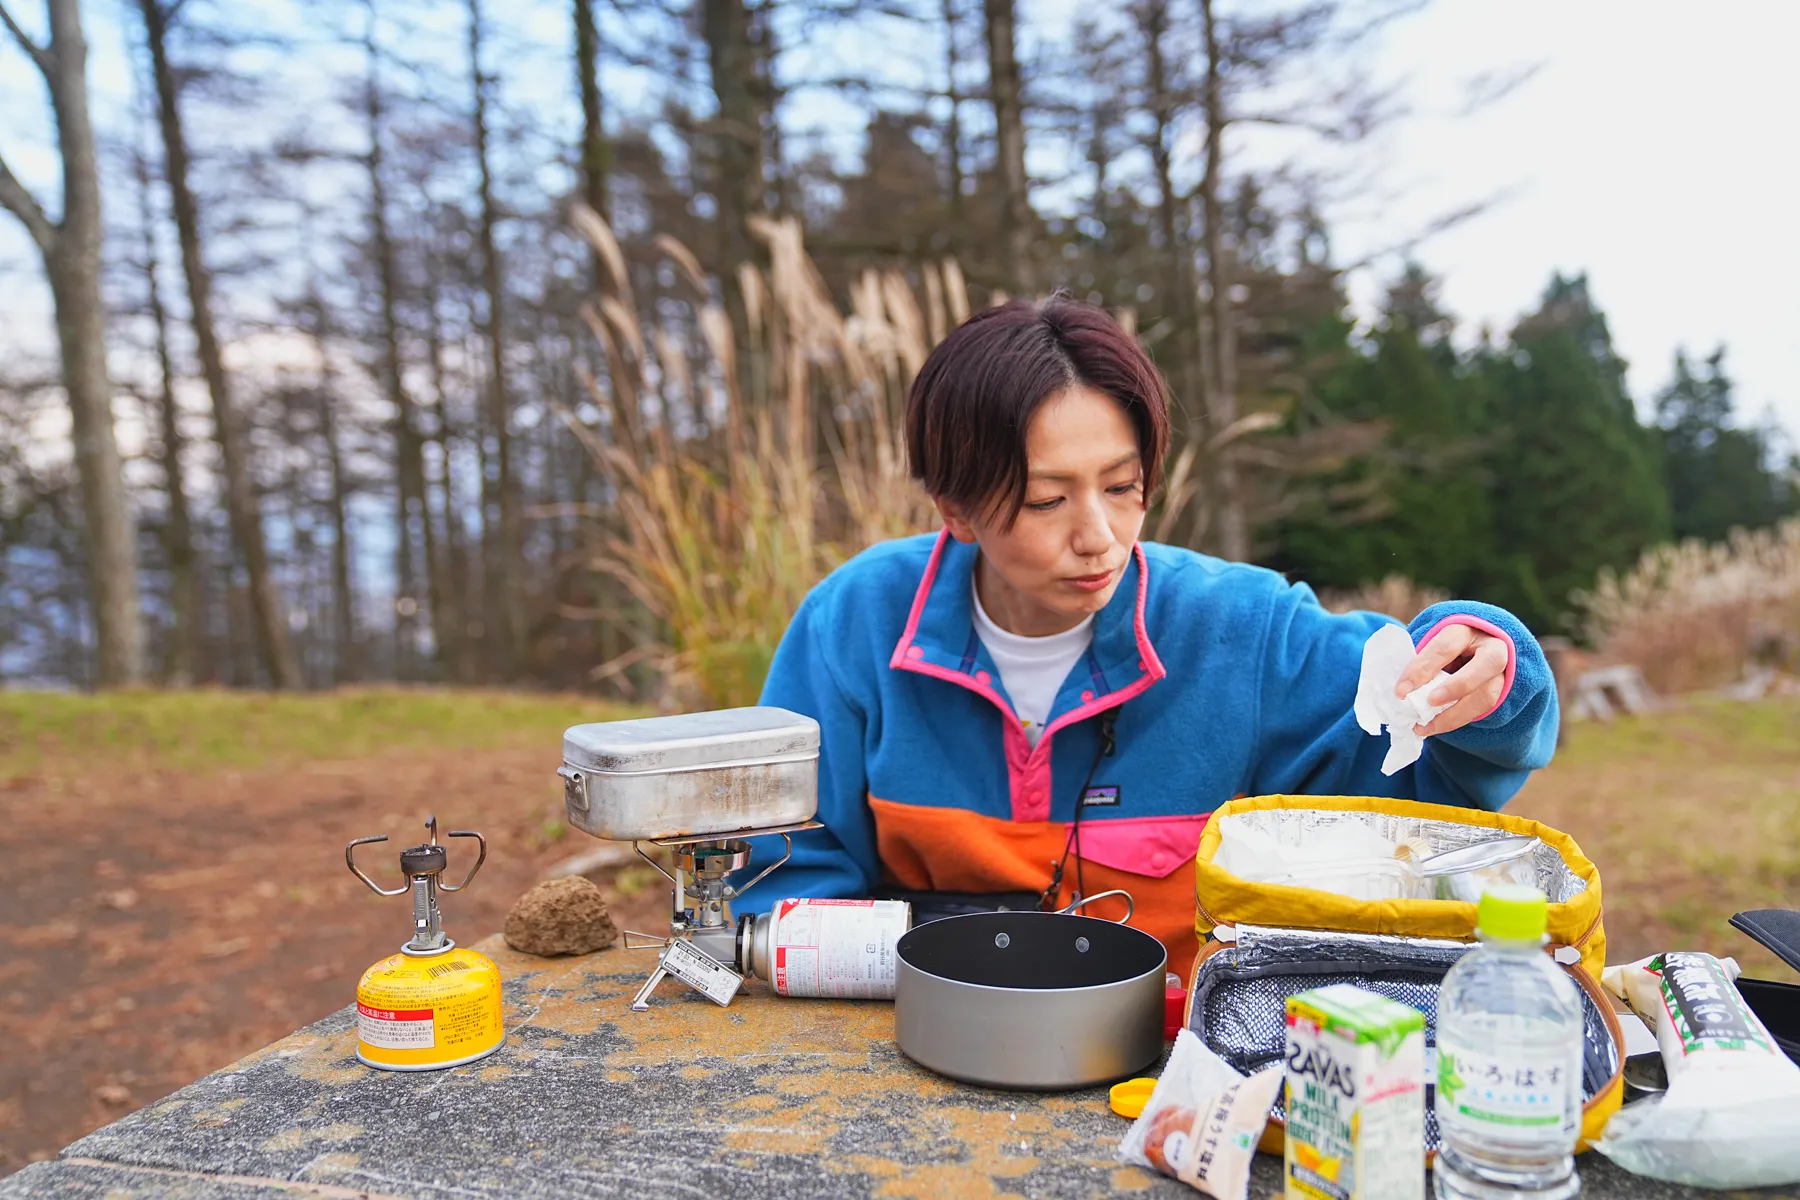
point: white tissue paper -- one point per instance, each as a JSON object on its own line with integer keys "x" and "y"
{"x": 1386, "y": 655}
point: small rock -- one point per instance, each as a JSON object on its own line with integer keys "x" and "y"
{"x": 113, "y": 1095}
{"x": 561, "y": 916}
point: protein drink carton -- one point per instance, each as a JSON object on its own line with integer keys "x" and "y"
{"x": 1355, "y": 1097}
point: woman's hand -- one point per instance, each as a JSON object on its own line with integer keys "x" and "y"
{"x": 1477, "y": 665}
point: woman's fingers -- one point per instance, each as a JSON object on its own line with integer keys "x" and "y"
{"x": 1466, "y": 711}
{"x": 1487, "y": 661}
{"x": 1448, "y": 646}
{"x": 1475, "y": 689}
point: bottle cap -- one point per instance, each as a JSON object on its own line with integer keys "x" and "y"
{"x": 1513, "y": 912}
{"x": 1128, "y": 1098}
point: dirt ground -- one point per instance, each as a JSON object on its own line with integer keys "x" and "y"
{"x": 158, "y": 925}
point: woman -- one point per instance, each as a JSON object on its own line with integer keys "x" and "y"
{"x": 979, "y": 688}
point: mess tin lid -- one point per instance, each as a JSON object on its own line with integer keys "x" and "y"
{"x": 691, "y": 741}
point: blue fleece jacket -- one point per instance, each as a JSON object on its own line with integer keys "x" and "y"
{"x": 1228, "y": 680}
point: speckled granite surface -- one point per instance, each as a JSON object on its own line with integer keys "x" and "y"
{"x": 768, "y": 1098}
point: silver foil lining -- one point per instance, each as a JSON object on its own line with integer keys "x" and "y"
{"x": 1295, "y": 826}
{"x": 1239, "y": 1002}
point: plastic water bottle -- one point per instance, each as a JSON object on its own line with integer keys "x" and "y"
{"x": 1509, "y": 1061}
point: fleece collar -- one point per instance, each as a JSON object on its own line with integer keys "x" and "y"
{"x": 940, "y": 638}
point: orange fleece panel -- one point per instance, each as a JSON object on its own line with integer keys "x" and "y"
{"x": 953, "y": 850}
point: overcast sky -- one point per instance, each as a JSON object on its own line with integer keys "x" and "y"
{"x": 1654, "y": 149}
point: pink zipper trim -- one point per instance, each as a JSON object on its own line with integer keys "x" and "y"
{"x": 918, "y": 604}
{"x": 1034, "y": 803}
{"x": 1028, "y": 767}
{"x": 1474, "y": 622}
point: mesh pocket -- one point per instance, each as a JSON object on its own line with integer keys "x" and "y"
{"x": 1240, "y": 992}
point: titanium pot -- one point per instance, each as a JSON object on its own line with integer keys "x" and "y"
{"x": 1030, "y": 1000}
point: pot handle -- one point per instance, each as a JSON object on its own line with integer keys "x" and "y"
{"x": 1130, "y": 905}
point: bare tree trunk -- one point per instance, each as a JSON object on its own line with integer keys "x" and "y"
{"x": 283, "y": 503}
{"x": 504, "y": 559}
{"x": 1009, "y": 128}
{"x": 595, "y": 152}
{"x": 1221, "y": 398}
{"x": 773, "y": 191}
{"x": 482, "y": 555}
{"x": 409, "y": 453}
{"x": 450, "y": 618}
{"x": 347, "y": 643}
{"x": 1152, "y": 18}
{"x": 737, "y": 161}
{"x": 182, "y": 667}
{"x": 595, "y": 156}
{"x": 343, "y": 593}
{"x": 71, "y": 253}
{"x": 241, "y": 501}
{"x": 953, "y": 138}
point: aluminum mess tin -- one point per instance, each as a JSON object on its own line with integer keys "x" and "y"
{"x": 691, "y": 774}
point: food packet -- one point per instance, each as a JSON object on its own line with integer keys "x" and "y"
{"x": 1731, "y": 1116}
{"x": 1203, "y": 1121}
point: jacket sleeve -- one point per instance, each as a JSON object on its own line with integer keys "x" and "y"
{"x": 1310, "y": 744}
{"x": 839, "y": 861}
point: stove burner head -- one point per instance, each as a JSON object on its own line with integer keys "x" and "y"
{"x": 703, "y": 865}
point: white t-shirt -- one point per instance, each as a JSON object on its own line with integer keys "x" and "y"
{"x": 1032, "y": 668}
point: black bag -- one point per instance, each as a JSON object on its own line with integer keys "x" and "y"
{"x": 1776, "y": 1004}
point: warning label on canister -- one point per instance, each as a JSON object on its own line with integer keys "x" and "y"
{"x": 396, "y": 1028}
{"x": 837, "y": 948}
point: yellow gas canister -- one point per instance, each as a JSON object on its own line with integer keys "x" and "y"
{"x": 432, "y": 1005}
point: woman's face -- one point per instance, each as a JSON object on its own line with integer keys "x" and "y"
{"x": 1063, "y": 556}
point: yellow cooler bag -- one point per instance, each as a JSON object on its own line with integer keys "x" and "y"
{"x": 1262, "y": 942}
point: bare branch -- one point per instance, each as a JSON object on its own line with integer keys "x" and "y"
{"x": 19, "y": 201}
{"x": 1491, "y": 87}
{"x": 1377, "y": 21}
{"x": 38, "y": 54}
{"x": 1442, "y": 223}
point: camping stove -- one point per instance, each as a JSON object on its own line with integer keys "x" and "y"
{"x": 699, "y": 785}
{"x": 698, "y": 924}
{"x": 434, "y": 1004}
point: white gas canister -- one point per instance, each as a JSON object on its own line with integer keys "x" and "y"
{"x": 842, "y": 949}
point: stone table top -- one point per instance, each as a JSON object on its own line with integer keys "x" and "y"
{"x": 770, "y": 1097}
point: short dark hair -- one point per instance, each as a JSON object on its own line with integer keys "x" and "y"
{"x": 973, "y": 400}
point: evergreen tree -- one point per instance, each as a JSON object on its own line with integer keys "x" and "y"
{"x": 1576, "y": 484}
{"x": 1419, "y": 506}
{"x": 1718, "y": 477}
